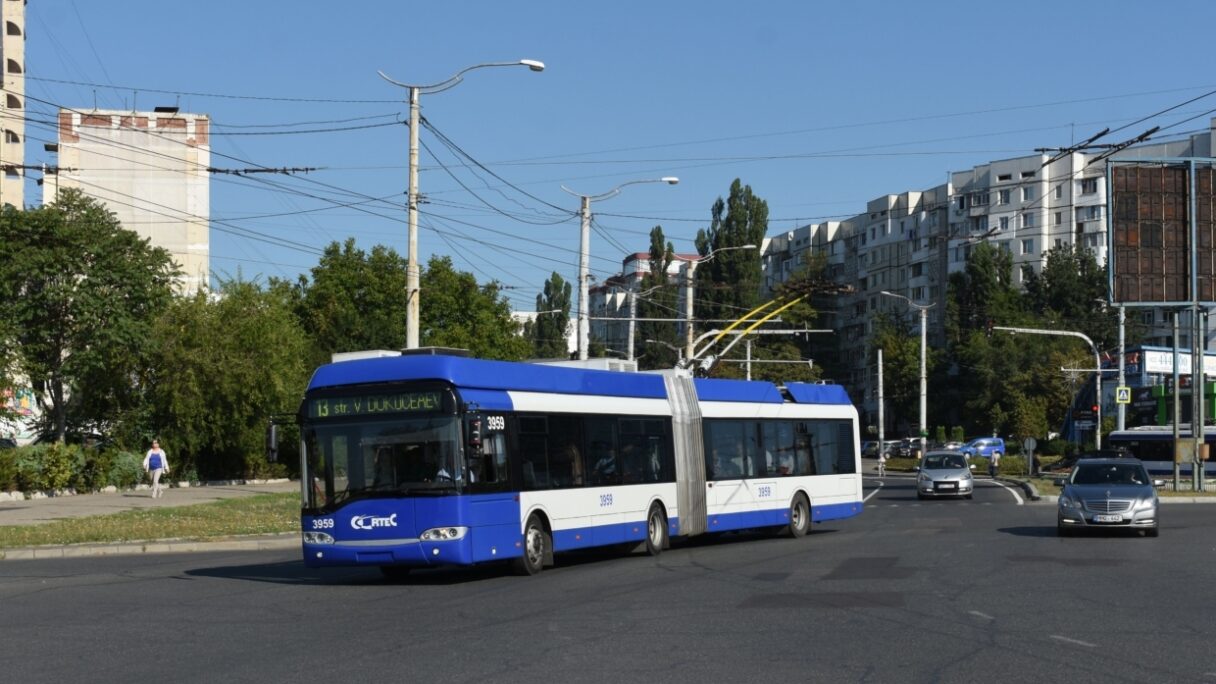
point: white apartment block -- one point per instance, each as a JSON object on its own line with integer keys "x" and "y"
{"x": 150, "y": 169}
{"x": 612, "y": 300}
{"x": 12, "y": 104}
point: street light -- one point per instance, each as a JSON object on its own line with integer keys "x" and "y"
{"x": 924, "y": 327}
{"x": 1097, "y": 368}
{"x": 584, "y": 255}
{"x": 411, "y": 273}
{"x": 688, "y": 293}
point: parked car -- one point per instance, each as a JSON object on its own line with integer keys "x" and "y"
{"x": 1107, "y": 493}
{"x": 952, "y": 446}
{"x": 944, "y": 473}
{"x": 984, "y": 447}
{"x": 869, "y": 449}
{"x": 891, "y": 448}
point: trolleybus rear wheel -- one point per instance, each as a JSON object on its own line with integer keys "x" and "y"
{"x": 800, "y": 516}
{"x": 656, "y": 530}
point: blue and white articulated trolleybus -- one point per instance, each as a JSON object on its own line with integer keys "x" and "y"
{"x": 423, "y": 460}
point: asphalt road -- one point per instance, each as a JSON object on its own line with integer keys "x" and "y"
{"x": 937, "y": 591}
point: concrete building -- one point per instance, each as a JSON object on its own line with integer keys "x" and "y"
{"x": 150, "y": 169}
{"x": 12, "y": 105}
{"x": 610, "y": 302}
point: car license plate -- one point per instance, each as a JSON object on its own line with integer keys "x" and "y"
{"x": 949, "y": 485}
{"x": 1108, "y": 518}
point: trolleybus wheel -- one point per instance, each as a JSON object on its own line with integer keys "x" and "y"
{"x": 800, "y": 516}
{"x": 536, "y": 547}
{"x": 656, "y": 530}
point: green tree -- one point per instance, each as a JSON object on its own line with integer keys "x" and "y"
{"x": 1071, "y": 292}
{"x": 78, "y": 295}
{"x": 549, "y": 331}
{"x": 728, "y": 285}
{"x": 355, "y": 300}
{"x": 223, "y": 366}
{"x": 900, "y": 347}
{"x": 457, "y": 312}
{"x": 658, "y": 298}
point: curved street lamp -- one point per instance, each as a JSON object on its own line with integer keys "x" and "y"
{"x": 924, "y": 327}
{"x": 411, "y": 273}
{"x": 584, "y": 255}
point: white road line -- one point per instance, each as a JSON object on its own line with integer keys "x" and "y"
{"x": 983, "y": 615}
{"x": 1010, "y": 490}
{"x": 873, "y": 492}
{"x": 1073, "y": 641}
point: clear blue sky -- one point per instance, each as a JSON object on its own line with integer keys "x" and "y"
{"x": 819, "y": 106}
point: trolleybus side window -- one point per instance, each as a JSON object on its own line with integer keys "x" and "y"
{"x": 534, "y": 451}
{"x": 565, "y": 454}
{"x": 831, "y": 442}
{"x": 778, "y": 448}
{"x": 644, "y": 455}
{"x": 602, "y": 466}
{"x": 726, "y": 456}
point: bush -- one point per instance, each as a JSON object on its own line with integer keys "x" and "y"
{"x": 8, "y": 469}
{"x": 126, "y": 469}
{"x": 47, "y": 467}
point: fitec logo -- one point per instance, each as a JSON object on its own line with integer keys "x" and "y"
{"x": 371, "y": 522}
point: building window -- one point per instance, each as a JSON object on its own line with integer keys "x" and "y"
{"x": 1059, "y": 243}
{"x": 1002, "y": 197}
{"x": 1003, "y": 246}
{"x": 1089, "y": 186}
{"x": 1059, "y": 217}
{"x": 1004, "y": 223}
{"x": 1028, "y": 174}
{"x": 1028, "y": 220}
{"x": 1028, "y": 246}
{"x": 1027, "y": 194}
{"x": 1004, "y": 177}
{"x": 13, "y": 67}
{"x": 13, "y": 102}
{"x": 13, "y": 29}
{"x": 980, "y": 199}
{"x": 1059, "y": 191}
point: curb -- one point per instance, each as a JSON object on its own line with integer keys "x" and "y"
{"x": 1028, "y": 489}
{"x": 265, "y": 542}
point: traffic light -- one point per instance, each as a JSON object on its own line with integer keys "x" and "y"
{"x": 988, "y": 328}
{"x": 1094, "y": 408}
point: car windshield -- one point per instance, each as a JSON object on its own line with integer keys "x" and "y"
{"x": 944, "y": 462}
{"x": 1119, "y": 473}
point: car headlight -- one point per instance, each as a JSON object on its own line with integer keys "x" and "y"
{"x": 1068, "y": 502}
{"x": 444, "y": 533}
{"x": 318, "y": 538}
{"x": 924, "y": 478}
{"x": 1146, "y": 503}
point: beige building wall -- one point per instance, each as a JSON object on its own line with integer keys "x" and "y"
{"x": 150, "y": 169}
{"x": 12, "y": 104}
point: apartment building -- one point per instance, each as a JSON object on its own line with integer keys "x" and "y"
{"x": 151, "y": 170}
{"x": 12, "y": 105}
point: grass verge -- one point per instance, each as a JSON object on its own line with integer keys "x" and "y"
{"x": 260, "y": 514}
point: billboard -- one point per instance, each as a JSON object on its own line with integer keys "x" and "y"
{"x": 1161, "y": 215}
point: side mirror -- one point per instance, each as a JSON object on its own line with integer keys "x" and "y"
{"x": 973, "y": 466}
{"x": 1060, "y": 482}
{"x": 1158, "y": 483}
{"x": 272, "y": 442}
{"x": 916, "y": 469}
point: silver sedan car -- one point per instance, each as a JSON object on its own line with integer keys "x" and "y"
{"x": 944, "y": 473}
{"x": 1107, "y": 493}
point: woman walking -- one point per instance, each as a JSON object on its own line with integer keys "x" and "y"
{"x": 156, "y": 463}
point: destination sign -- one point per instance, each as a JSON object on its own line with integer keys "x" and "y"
{"x": 375, "y": 404}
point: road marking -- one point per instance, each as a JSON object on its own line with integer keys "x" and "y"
{"x": 983, "y": 615}
{"x": 1073, "y": 641}
{"x": 1010, "y": 490}
{"x": 872, "y": 493}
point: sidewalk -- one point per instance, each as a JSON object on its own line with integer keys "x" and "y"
{"x": 39, "y": 511}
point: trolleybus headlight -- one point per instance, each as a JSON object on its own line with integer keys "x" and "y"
{"x": 318, "y": 538}
{"x": 444, "y": 533}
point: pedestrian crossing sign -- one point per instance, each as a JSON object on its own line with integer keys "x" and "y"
{"x": 1123, "y": 395}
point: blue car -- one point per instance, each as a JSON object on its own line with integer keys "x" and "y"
{"x": 984, "y": 447}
